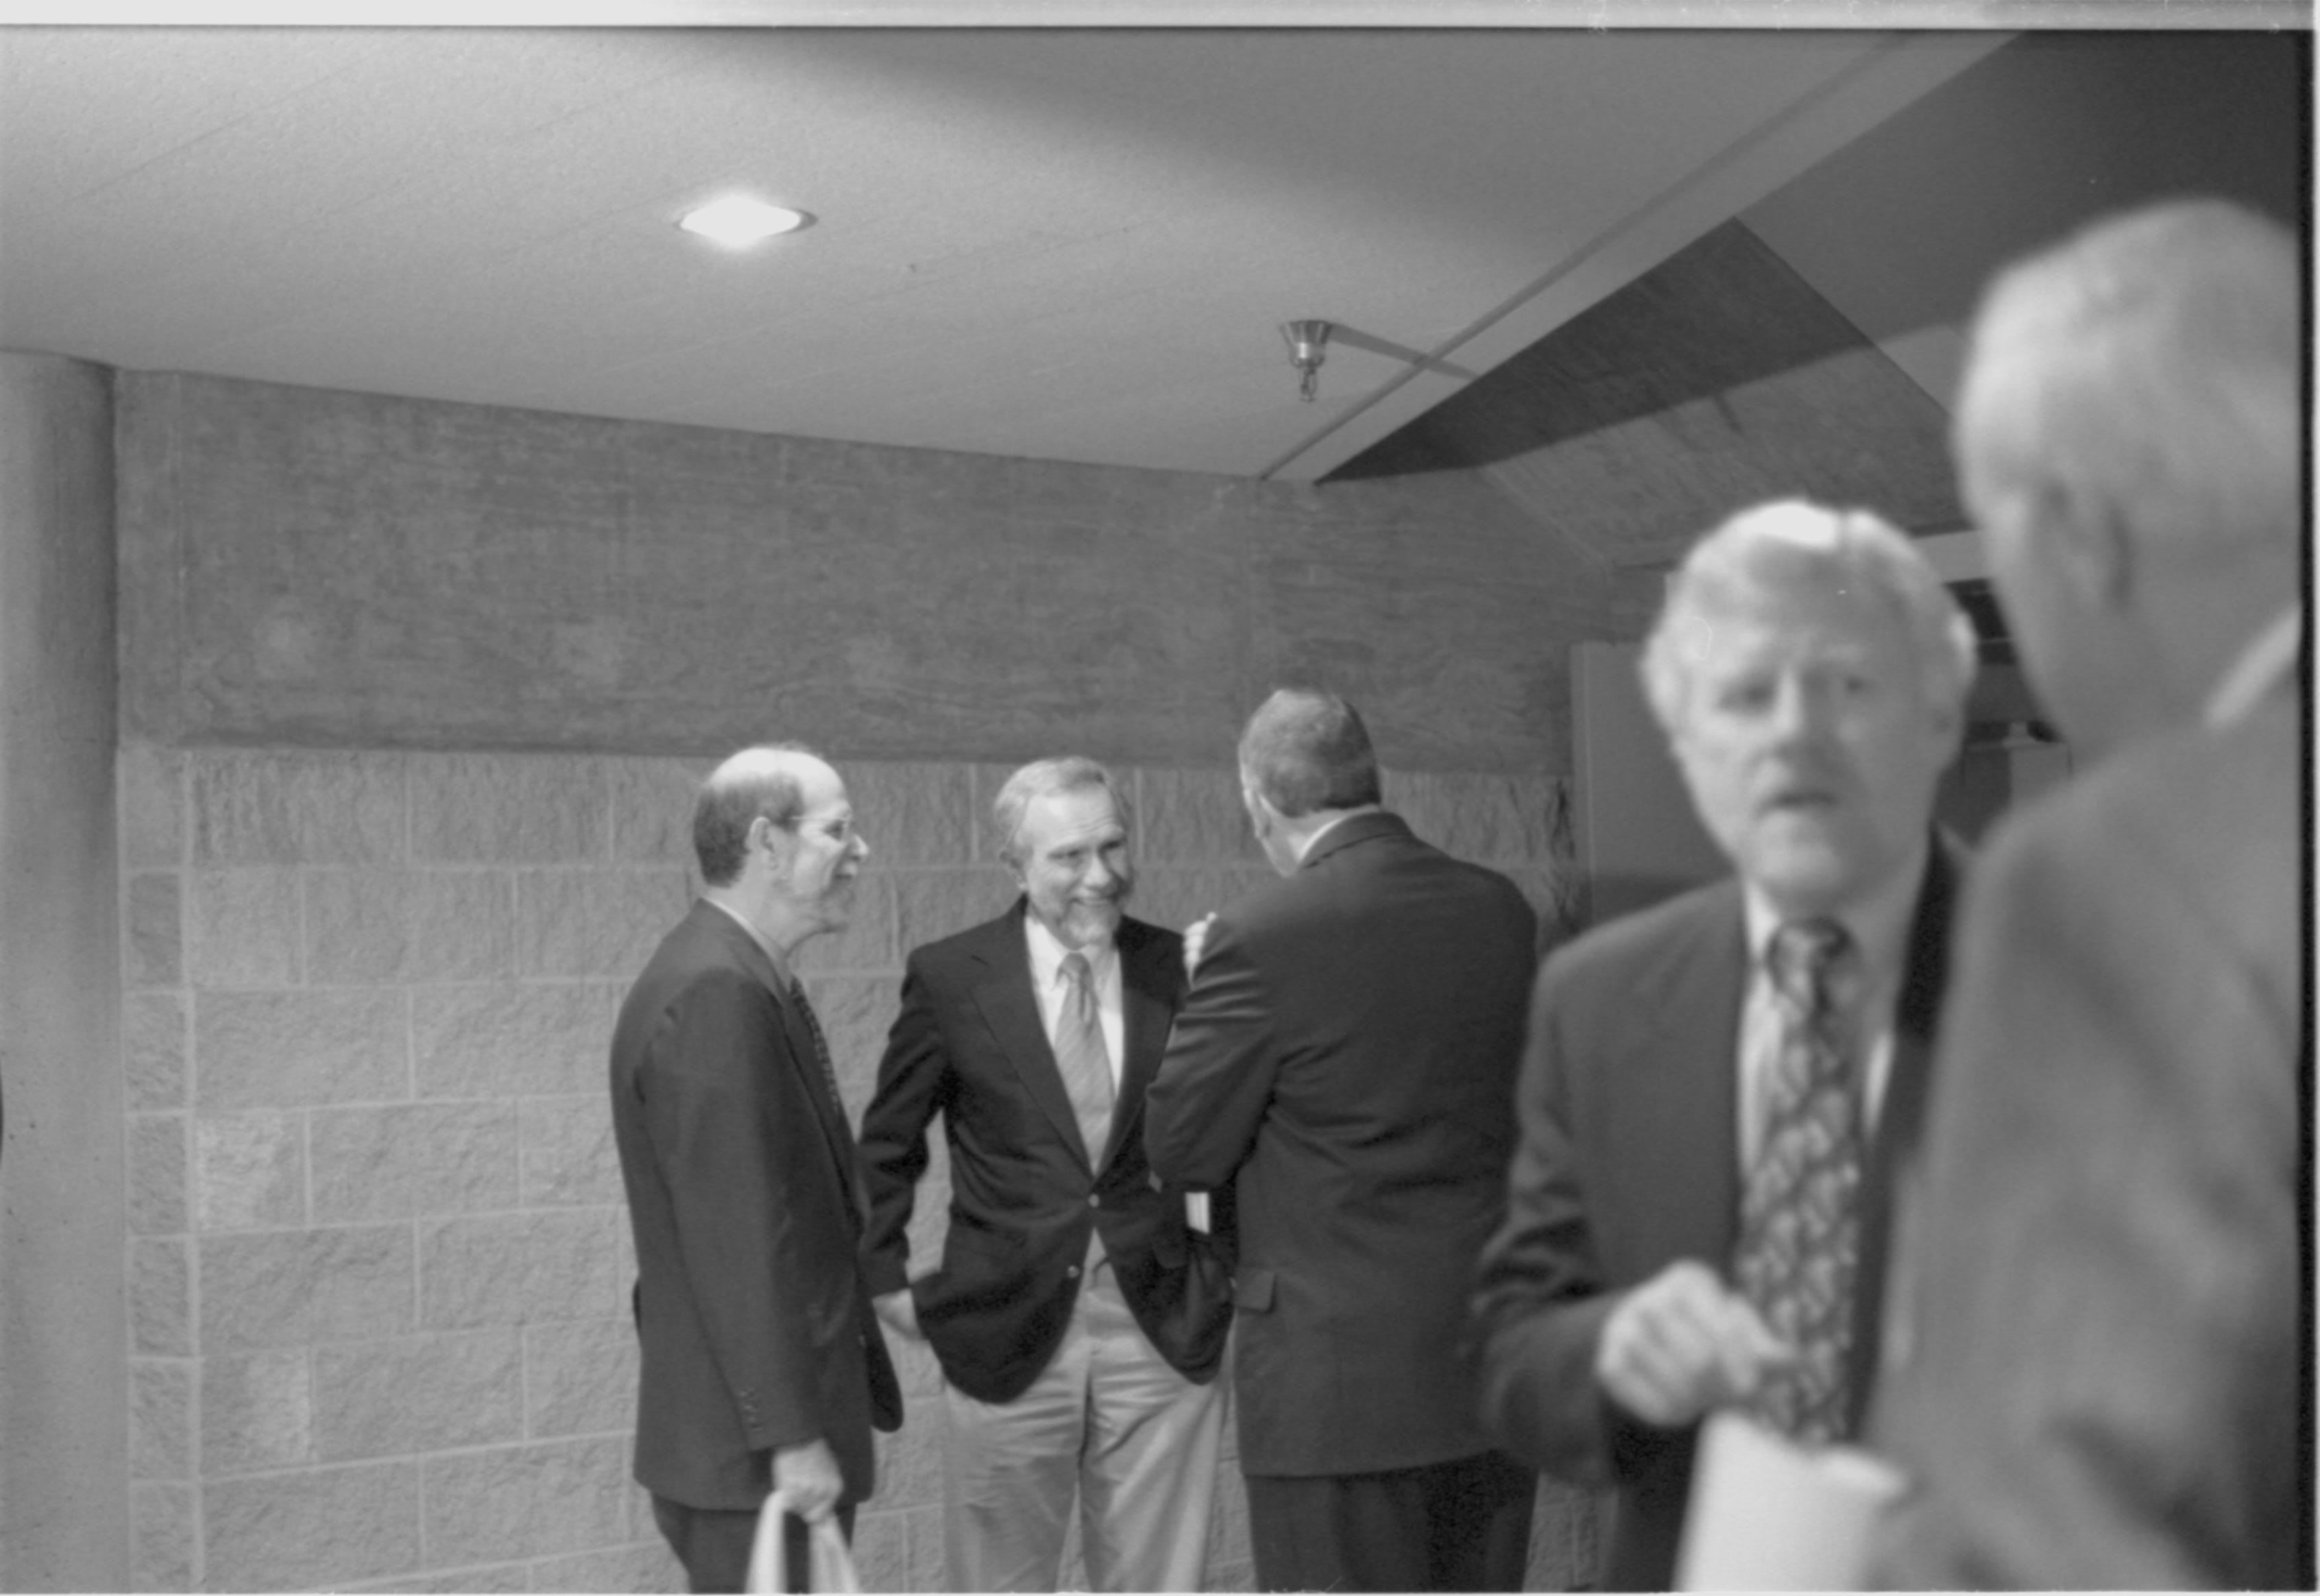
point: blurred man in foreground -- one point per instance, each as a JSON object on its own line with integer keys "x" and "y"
{"x": 1719, "y": 1089}
{"x": 2097, "y": 1377}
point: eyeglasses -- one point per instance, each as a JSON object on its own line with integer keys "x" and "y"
{"x": 838, "y": 829}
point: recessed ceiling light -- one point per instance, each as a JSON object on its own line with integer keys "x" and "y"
{"x": 737, "y": 222}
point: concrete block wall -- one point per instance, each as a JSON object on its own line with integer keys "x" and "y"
{"x": 379, "y": 1261}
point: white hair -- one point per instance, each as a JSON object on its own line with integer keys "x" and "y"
{"x": 2149, "y": 366}
{"x": 1791, "y": 545}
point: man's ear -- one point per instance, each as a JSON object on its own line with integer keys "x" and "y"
{"x": 2085, "y": 539}
{"x": 765, "y": 833}
{"x": 1261, "y": 813}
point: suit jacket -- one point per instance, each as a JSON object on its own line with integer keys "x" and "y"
{"x": 1346, "y": 1059}
{"x": 754, "y": 1328}
{"x": 2097, "y": 1377}
{"x": 970, "y": 1044}
{"x": 1630, "y": 1161}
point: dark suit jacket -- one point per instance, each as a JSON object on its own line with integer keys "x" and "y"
{"x": 1346, "y": 1057}
{"x": 1630, "y": 1161}
{"x": 2097, "y": 1377}
{"x": 755, "y": 1330}
{"x": 969, "y": 1045}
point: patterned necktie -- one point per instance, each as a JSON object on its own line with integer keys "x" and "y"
{"x": 1799, "y": 1220}
{"x": 820, "y": 1045}
{"x": 1081, "y": 1055}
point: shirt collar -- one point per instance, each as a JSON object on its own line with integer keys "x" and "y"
{"x": 1048, "y": 953}
{"x": 781, "y": 965}
{"x": 1879, "y": 923}
{"x": 1305, "y": 848}
{"x": 2267, "y": 659}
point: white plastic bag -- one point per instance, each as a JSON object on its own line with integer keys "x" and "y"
{"x": 829, "y": 1564}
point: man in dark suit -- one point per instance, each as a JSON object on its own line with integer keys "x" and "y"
{"x": 1344, "y": 1062}
{"x": 762, "y": 1362}
{"x": 1719, "y": 1090}
{"x": 1078, "y": 1322}
{"x": 2098, "y": 1374}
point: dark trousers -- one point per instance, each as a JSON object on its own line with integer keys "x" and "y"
{"x": 1463, "y": 1525}
{"x": 713, "y": 1543}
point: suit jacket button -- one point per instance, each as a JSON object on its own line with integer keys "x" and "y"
{"x": 1072, "y": 1273}
{"x": 1094, "y": 1201}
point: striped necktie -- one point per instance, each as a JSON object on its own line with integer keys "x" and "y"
{"x": 1081, "y": 1055}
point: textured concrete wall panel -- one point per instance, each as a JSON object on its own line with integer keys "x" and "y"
{"x": 154, "y": 1050}
{"x": 595, "y": 922}
{"x": 163, "y": 1531}
{"x": 580, "y": 1379}
{"x": 914, "y": 814}
{"x": 932, "y": 905}
{"x": 152, "y": 806}
{"x": 291, "y": 808}
{"x": 263, "y": 1050}
{"x": 157, "y": 1174}
{"x": 249, "y": 1170}
{"x": 500, "y": 1577}
{"x": 646, "y": 1567}
{"x": 467, "y": 808}
{"x": 296, "y": 1287}
{"x": 161, "y": 1298}
{"x": 651, "y": 805}
{"x": 398, "y": 1160}
{"x": 1194, "y": 817}
{"x": 315, "y": 1529}
{"x": 556, "y": 1496}
{"x": 243, "y": 928}
{"x": 160, "y": 1418}
{"x": 343, "y": 569}
{"x": 514, "y": 1269}
{"x": 417, "y": 1393}
{"x": 155, "y": 934}
{"x": 497, "y": 1041}
{"x": 568, "y": 1157}
{"x": 398, "y": 927}
{"x": 258, "y": 1411}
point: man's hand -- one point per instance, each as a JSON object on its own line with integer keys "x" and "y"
{"x": 899, "y": 1312}
{"x": 1196, "y": 937}
{"x": 1682, "y": 1343}
{"x": 810, "y": 1475}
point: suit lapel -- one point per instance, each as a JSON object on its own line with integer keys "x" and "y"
{"x": 831, "y": 1113}
{"x": 1924, "y": 977}
{"x": 799, "y": 1038}
{"x": 1002, "y": 991}
{"x": 1679, "y": 1053}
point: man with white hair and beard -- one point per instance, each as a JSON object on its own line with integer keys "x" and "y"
{"x": 1079, "y": 1321}
{"x": 2099, "y": 1374}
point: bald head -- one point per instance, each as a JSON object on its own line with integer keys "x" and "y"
{"x": 770, "y": 780}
